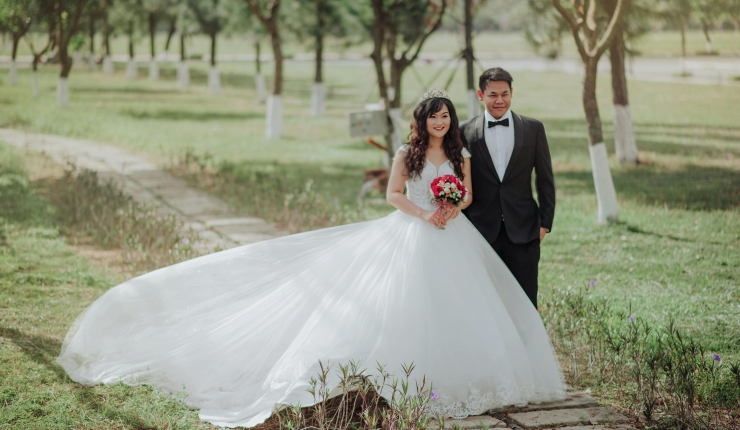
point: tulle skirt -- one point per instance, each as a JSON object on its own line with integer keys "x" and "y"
{"x": 242, "y": 331}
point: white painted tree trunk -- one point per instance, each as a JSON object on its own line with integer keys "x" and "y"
{"x": 108, "y": 65}
{"x": 35, "y": 84}
{"x": 624, "y": 135}
{"x": 131, "y": 72}
{"x": 709, "y": 47}
{"x": 274, "y": 117}
{"x": 259, "y": 81}
{"x": 153, "y": 70}
{"x": 183, "y": 74}
{"x": 318, "y": 99}
{"x": 63, "y": 92}
{"x": 391, "y": 94}
{"x": 605, "y": 192}
{"x": 76, "y": 58}
{"x": 473, "y": 104}
{"x": 397, "y": 133}
{"x": 214, "y": 81}
{"x": 13, "y": 78}
{"x": 91, "y": 62}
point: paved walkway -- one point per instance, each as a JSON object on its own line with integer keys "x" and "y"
{"x": 220, "y": 227}
{"x": 578, "y": 411}
{"x": 214, "y": 220}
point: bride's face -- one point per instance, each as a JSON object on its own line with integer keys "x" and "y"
{"x": 439, "y": 123}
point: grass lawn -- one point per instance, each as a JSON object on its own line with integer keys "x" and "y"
{"x": 44, "y": 285}
{"x": 675, "y": 251}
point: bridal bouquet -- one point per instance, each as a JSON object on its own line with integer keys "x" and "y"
{"x": 447, "y": 191}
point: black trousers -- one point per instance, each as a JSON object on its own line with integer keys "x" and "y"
{"x": 522, "y": 260}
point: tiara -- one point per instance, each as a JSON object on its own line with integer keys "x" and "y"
{"x": 435, "y": 93}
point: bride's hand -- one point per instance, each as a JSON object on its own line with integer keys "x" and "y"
{"x": 434, "y": 219}
{"x": 452, "y": 212}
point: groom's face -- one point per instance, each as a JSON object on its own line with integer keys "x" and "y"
{"x": 496, "y": 98}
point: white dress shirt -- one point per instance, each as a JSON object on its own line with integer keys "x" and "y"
{"x": 500, "y": 141}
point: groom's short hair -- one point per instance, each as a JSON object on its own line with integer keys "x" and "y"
{"x": 494, "y": 74}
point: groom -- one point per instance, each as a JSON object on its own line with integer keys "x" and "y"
{"x": 506, "y": 148}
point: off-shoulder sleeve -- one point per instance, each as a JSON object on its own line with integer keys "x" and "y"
{"x": 404, "y": 148}
{"x": 465, "y": 153}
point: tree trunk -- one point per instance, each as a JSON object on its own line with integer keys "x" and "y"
{"x": 214, "y": 80}
{"x": 182, "y": 47}
{"x": 274, "y": 115}
{"x": 319, "y": 57}
{"x": 259, "y": 79}
{"x": 705, "y": 29}
{"x": 91, "y": 59}
{"x": 152, "y": 32}
{"x": 473, "y": 102}
{"x": 605, "y": 192}
{"x": 278, "y": 54}
{"x": 682, "y": 28}
{"x": 64, "y": 60}
{"x": 131, "y": 72}
{"x": 257, "y": 64}
{"x": 213, "y": 49}
{"x": 106, "y": 37}
{"x": 13, "y": 71}
{"x": 624, "y": 135}
{"x": 318, "y": 91}
{"x": 170, "y": 32}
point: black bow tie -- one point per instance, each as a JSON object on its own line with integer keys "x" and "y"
{"x": 504, "y": 122}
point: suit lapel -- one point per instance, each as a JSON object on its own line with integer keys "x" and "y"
{"x": 480, "y": 144}
{"x": 518, "y": 142}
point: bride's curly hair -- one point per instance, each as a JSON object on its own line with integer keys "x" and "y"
{"x": 419, "y": 138}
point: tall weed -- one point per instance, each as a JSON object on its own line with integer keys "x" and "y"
{"x": 657, "y": 373}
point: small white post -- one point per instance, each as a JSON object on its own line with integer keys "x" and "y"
{"x": 153, "y": 70}
{"x": 63, "y": 92}
{"x": 261, "y": 87}
{"x": 274, "y": 117}
{"x": 91, "y": 62}
{"x": 131, "y": 71}
{"x": 183, "y": 74}
{"x": 606, "y": 195}
{"x": 473, "y": 103}
{"x": 318, "y": 99}
{"x": 35, "y": 84}
{"x": 214, "y": 81}
{"x": 108, "y": 65}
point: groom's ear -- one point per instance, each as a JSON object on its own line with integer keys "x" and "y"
{"x": 480, "y": 95}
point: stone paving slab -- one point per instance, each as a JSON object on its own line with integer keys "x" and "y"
{"x": 568, "y": 417}
{"x": 599, "y": 427}
{"x": 216, "y": 223}
{"x": 573, "y": 400}
{"x": 473, "y": 422}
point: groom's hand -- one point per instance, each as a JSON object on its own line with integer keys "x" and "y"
{"x": 543, "y": 231}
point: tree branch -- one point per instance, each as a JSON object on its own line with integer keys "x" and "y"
{"x": 426, "y": 34}
{"x": 608, "y": 35}
{"x": 574, "y": 28}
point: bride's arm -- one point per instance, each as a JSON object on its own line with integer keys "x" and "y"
{"x": 395, "y": 196}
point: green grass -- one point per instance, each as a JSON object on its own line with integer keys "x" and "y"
{"x": 675, "y": 251}
{"x": 43, "y": 287}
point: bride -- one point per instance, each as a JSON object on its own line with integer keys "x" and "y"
{"x": 242, "y": 331}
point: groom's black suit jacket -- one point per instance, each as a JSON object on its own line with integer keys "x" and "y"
{"x": 511, "y": 197}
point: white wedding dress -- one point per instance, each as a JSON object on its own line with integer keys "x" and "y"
{"x": 242, "y": 331}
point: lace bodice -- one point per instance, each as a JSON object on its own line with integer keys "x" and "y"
{"x": 418, "y": 188}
